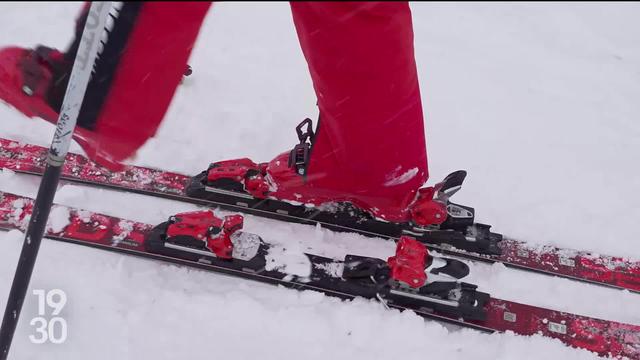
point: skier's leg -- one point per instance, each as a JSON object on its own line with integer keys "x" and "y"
{"x": 370, "y": 140}
{"x": 369, "y": 149}
{"x": 136, "y": 76}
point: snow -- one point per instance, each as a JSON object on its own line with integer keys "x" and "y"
{"x": 538, "y": 102}
{"x": 58, "y": 219}
{"x": 290, "y": 261}
{"x": 16, "y": 214}
{"x": 245, "y": 245}
{"x": 334, "y": 269}
{"x": 401, "y": 179}
{"x": 126, "y": 226}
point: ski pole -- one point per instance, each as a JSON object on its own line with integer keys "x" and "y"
{"x": 78, "y": 82}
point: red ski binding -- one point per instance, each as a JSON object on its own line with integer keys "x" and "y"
{"x": 205, "y": 226}
{"x": 244, "y": 173}
{"x": 409, "y": 263}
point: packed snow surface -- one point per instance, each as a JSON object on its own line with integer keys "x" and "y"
{"x": 538, "y": 102}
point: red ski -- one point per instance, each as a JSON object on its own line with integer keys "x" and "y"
{"x": 606, "y": 270}
{"x": 606, "y": 338}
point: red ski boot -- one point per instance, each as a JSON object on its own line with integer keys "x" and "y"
{"x": 138, "y": 69}
{"x": 285, "y": 189}
{"x": 285, "y": 182}
{"x": 34, "y": 82}
{"x": 27, "y": 79}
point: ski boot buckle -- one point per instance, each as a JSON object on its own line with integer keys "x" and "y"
{"x": 299, "y": 156}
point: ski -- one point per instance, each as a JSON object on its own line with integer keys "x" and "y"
{"x": 611, "y": 271}
{"x": 201, "y": 240}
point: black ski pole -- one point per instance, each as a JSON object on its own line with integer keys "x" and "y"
{"x": 78, "y": 82}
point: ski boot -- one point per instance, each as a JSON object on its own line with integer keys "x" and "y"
{"x": 34, "y": 80}
{"x": 126, "y": 74}
{"x": 279, "y": 189}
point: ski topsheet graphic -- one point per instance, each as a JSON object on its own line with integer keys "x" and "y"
{"x": 579, "y": 265}
{"x": 226, "y": 249}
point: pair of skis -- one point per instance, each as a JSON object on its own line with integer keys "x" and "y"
{"x": 599, "y": 269}
{"x": 475, "y": 309}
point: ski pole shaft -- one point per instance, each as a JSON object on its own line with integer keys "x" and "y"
{"x": 78, "y": 82}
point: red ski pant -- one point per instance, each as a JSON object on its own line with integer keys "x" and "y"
{"x": 370, "y": 140}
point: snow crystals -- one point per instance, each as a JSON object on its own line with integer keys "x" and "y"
{"x": 245, "y": 245}
{"x": 333, "y": 269}
{"x": 125, "y": 228}
{"x": 58, "y": 219}
{"x": 288, "y": 260}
